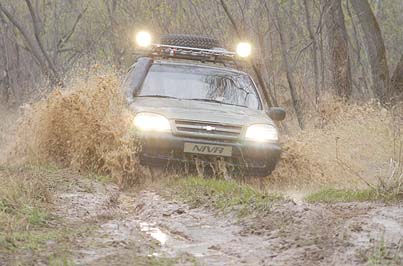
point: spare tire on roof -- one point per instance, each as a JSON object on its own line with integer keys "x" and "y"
{"x": 193, "y": 41}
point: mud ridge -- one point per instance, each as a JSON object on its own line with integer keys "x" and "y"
{"x": 127, "y": 227}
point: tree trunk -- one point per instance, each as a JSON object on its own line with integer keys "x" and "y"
{"x": 314, "y": 50}
{"x": 363, "y": 81}
{"x": 55, "y": 74}
{"x": 397, "y": 79}
{"x": 5, "y": 83}
{"x": 37, "y": 53}
{"x": 338, "y": 47}
{"x": 376, "y": 49}
{"x": 255, "y": 68}
{"x": 290, "y": 77}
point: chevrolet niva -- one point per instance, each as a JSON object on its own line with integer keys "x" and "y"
{"x": 193, "y": 105}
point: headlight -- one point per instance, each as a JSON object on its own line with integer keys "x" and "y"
{"x": 143, "y": 39}
{"x": 244, "y": 49}
{"x": 151, "y": 122}
{"x": 261, "y": 133}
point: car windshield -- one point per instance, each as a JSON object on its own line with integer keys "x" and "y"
{"x": 200, "y": 84}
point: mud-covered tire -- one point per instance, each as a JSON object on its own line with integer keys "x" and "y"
{"x": 193, "y": 41}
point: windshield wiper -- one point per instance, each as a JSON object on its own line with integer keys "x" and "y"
{"x": 214, "y": 101}
{"x": 157, "y": 96}
{"x": 205, "y": 100}
{"x": 236, "y": 86}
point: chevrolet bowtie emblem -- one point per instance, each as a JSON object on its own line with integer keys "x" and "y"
{"x": 209, "y": 128}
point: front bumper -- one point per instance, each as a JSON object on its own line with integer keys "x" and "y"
{"x": 160, "y": 148}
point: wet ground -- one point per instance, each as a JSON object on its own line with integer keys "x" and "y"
{"x": 149, "y": 229}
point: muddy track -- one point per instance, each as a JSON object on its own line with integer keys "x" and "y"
{"x": 129, "y": 228}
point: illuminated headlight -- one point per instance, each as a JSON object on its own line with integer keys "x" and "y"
{"x": 244, "y": 49}
{"x": 151, "y": 122}
{"x": 261, "y": 133}
{"x": 143, "y": 39}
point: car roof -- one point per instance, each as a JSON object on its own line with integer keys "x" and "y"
{"x": 198, "y": 64}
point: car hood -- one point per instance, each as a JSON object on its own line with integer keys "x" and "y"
{"x": 200, "y": 111}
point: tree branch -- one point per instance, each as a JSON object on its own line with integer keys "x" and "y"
{"x": 255, "y": 68}
{"x": 56, "y": 76}
{"x": 69, "y": 34}
{"x": 25, "y": 35}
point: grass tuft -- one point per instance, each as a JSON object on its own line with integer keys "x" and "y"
{"x": 390, "y": 184}
{"x": 224, "y": 195}
{"x": 35, "y": 216}
{"x": 381, "y": 254}
{"x": 25, "y": 193}
{"x": 332, "y": 195}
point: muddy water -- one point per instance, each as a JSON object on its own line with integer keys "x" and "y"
{"x": 126, "y": 227}
{"x": 297, "y": 234}
{"x": 213, "y": 240}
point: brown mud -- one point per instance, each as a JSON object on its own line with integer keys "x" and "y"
{"x": 135, "y": 229}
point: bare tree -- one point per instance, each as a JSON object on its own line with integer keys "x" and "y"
{"x": 397, "y": 78}
{"x": 5, "y": 82}
{"x": 50, "y": 66}
{"x": 376, "y": 49}
{"x": 255, "y": 68}
{"x": 36, "y": 48}
{"x": 44, "y": 40}
{"x": 290, "y": 77}
{"x": 338, "y": 48}
{"x": 363, "y": 81}
{"x": 312, "y": 36}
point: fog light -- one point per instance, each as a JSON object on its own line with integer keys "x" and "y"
{"x": 244, "y": 49}
{"x": 143, "y": 39}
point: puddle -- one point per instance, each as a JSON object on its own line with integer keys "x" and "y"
{"x": 154, "y": 232}
{"x": 174, "y": 243}
{"x": 198, "y": 232}
{"x": 220, "y": 240}
{"x": 389, "y": 228}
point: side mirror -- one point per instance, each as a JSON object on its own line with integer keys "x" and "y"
{"x": 276, "y": 113}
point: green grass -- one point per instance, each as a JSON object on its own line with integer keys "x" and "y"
{"x": 25, "y": 195}
{"x": 104, "y": 179}
{"x": 382, "y": 255}
{"x": 223, "y": 195}
{"x": 36, "y": 216}
{"x": 332, "y": 195}
{"x": 60, "y": 261}
{"x": 181, "y": 259}
{"x": 32, "y": 240}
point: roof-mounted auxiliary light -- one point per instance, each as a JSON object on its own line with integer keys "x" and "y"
{"x": 243, "y": 49}
{"x": 143, "y": 39}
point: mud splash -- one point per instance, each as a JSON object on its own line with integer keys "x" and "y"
{"x": 345, "y": 143}
{"x": 85, "y": 126}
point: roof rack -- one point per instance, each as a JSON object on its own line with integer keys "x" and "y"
{"x": 218, "y": 55}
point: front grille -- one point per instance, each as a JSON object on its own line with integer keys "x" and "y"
{"x": 207, "y": 129}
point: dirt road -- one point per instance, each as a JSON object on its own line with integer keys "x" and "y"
{"x": 150, "y": 229}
